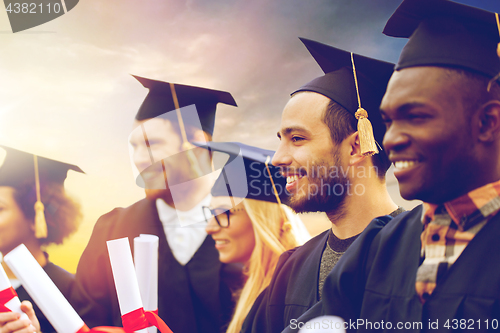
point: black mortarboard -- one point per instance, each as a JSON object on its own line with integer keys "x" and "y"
{"x": 160, "y": 100}
{"x": 338, "y": 83}
{"x": 18, "y": 168}
{"x": 446, "y": 33}
{"x": 255, "y": 182}
{"x": 21, "y": 168}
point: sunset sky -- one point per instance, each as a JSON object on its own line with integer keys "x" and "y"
{"x": 66, "y": 90}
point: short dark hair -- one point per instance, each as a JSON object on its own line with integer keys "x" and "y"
{"x": 342, "y": 124}
{"x": 473, "y": 87}
{"x": 62, "y": 213}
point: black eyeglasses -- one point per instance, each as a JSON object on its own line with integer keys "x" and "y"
{"x": 220, "y": 214}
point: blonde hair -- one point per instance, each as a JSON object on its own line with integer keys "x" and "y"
{"x": 272, "y": 238}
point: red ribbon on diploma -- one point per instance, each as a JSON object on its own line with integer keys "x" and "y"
{"x": 132, "y": 321}
{"x": 138, "y": 319}
{"x": 5, "y": 296}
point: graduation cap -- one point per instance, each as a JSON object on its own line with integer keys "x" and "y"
{"x": 446, "y": 34}
{"x": 357, "y": 83}
{"x": 21, "y": 168}
{"x": 255, "y": 178}
{"x": 164, "y": 97}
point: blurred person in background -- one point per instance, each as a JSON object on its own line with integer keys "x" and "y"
{"x": 194, "y": 288}
{"x": 25, "y": 182}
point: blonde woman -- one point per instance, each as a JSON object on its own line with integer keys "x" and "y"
{"x": 251, "y": 228}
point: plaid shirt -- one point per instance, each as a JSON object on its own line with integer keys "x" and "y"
{"x": 448, "y": 229}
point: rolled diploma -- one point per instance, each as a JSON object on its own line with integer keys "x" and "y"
{"x": 14, "y": 304}
{"x": 324, "y": 324}
{"x": 122, "y": 265}
{"x": 146, "y": 269}
{"x": 44, "y": 292}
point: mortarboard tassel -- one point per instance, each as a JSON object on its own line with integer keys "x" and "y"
{"x": 365, "y": 129}
{"x": 40, "y": 223}
{"x": 498, "y": 25}
{"x": 286, "y": 223}
{"x": 186, "y": 145}
{"x": 151, "y": 155}
{"x": 498, "y": 53}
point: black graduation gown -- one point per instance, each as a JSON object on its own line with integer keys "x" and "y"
{"x": 293, "y": 288}
{"x": 375, "y": 281}
{"x": 191, "y": 298}
{"x": 62, "y": 279}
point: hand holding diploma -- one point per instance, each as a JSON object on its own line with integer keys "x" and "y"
{"x": 44, "y": 292}
{"x": 14, "y": 316}
{"x": 8, "y": 296}
{"x": 13, "y": 322}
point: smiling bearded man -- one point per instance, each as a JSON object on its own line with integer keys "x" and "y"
{"x": 435, "y": 268}
{"x": 325, "y": 178}
{"x": 328, "y": 169}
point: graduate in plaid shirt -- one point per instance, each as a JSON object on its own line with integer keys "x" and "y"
{"x": 437, "y": 267}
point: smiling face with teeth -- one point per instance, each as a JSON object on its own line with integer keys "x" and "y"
{"x": 430, "y": 135}
{"x": 236, "y": 242}
{"x": 307, "y": 154}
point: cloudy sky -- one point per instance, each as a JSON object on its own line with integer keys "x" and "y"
{"x": 66, "y": 90}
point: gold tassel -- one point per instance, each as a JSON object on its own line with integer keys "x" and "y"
{"x": 498, "y": 54}
{"x": 498, "y": 26}
{"x": 365, "y": 132}
{"x": 186, "y": 145}
{"x": 365, "y": 129}
{"x": 40, "y": 223}
{"x": 286, "y": 224}
{"x": 151, "y": 157}
{"x": 193, "y": 161}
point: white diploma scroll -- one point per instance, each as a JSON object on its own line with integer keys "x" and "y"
{"x": 323, "y": 324}
{"x": 146, "y": 269}
{"x": 122, "y": 265}
{"x": 14, "y": 304}
{"x": 44, "y": 292}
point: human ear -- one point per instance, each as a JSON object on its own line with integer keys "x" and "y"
{"x": 200, "y": 136}
{"x": 203, "y": 155}
{"x": 489, "y": 121}
{"x": 354, "y": 148}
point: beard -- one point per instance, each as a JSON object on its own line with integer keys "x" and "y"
{"x": 326, "y": 191}
{"x": 156, "y": 181}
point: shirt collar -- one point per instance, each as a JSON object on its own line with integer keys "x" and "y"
{"x": 169, "y": 215}
{"x": 184, "y": 230}
{"x": 466, "y": 210}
